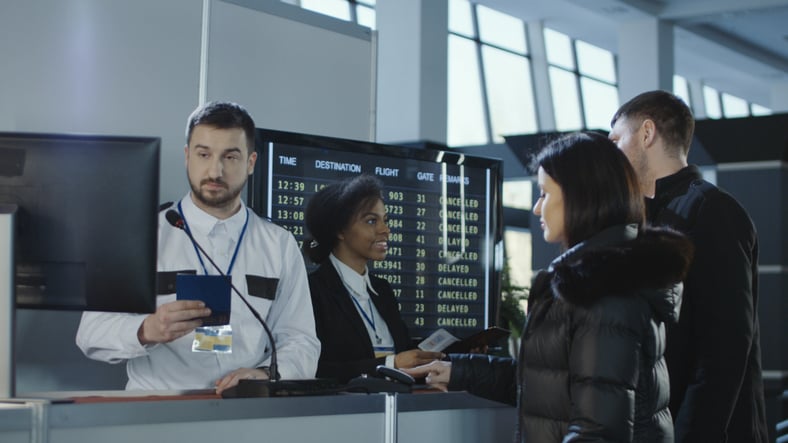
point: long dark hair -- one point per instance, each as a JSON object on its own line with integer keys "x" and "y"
{"x": 332, "y": 209}
{"x": 599, "y": 186}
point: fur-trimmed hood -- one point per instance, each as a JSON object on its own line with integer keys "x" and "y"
{"x": 622, "y": 261}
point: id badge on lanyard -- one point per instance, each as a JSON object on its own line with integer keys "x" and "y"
{"x": 218, "y": 337}
{"x": 216, "y": 334}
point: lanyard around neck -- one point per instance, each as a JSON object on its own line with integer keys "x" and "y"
{"x": 197, "y": 250}
{"x": 370, "y": 319}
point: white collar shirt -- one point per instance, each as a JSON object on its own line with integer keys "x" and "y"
{"x": 358, "y": 287}
{"x": 218, "y": 237}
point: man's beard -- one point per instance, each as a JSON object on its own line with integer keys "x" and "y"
{"x": 216, "y": 199}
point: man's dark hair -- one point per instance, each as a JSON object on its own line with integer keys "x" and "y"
{"x": 333, "y": 208}
{"x": 222, "y": 115}
{"x": 599, "y": 186}
{"x": 671, "y": 116}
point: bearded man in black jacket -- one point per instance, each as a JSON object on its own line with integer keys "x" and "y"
{"x": 713, "y": 353}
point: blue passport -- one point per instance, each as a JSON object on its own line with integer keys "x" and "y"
{"x": 214, "y": 290}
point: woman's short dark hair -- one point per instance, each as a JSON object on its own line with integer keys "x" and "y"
{"x": 333, "y": 208}
{"x": 599, "y": 185}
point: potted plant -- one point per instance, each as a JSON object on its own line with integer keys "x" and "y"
{"x": 512, "y": 310}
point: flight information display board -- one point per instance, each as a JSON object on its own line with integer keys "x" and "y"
{"x": 443, "y": 210}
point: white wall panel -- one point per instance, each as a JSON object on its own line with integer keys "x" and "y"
{"x": 295, "y": 70}
{"x": 102, "y": 67}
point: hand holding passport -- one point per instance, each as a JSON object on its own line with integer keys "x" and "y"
{"x": 213, "y": 290}
{"x": 442, "y": 341}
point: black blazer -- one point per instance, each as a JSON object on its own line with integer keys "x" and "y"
{"x": 346, "y": 350}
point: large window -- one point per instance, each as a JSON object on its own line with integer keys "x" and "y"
{"x": 358, "y": 11}
{"x": 681, "y": 89}
{"x": 518, "y": 198}
{"x": 467, "y": 121}
{"x": 757, "y": 110}
{"x": 490, "y": 91}
{"x": 518, "y": 246}
{"x": 566, "y": 99}
{"x": 725, "y": 105}
{"x": 583, "y": 82}
{"x": 733, "y": 106}
{"x": 490, "y": 94}
{"x": 711, "y": 98}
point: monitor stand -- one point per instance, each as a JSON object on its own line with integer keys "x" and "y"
{"x": 7, "y": 300}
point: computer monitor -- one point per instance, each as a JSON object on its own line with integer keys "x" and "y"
{"x": 445, "y": 214}
{"x": 86, "y": 224}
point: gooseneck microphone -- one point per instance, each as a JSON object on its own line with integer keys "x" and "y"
{"x": 175, "y": 219}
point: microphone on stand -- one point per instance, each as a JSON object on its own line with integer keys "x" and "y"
{"x": 275, "y": 387}
{"x": 175, "y": 219}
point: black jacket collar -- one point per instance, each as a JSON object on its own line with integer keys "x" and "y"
{"x": 623, "y": 261}
{"x": 667, "y": 188}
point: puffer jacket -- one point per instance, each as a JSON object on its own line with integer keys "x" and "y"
{"x": 591, "y": 364}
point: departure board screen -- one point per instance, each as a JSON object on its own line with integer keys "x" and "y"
{"x": 443, "y": 211}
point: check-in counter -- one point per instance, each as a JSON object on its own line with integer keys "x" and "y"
{"x": 20, "y": 421}
{"x": 374, "y": 418}
{"x": 453, "y": 417}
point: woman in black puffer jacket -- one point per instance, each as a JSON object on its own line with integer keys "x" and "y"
{"x": 591, "y": 364}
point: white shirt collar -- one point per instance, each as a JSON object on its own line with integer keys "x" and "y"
{"x": 203, "y": 223}
{"x": 357, "y": 284}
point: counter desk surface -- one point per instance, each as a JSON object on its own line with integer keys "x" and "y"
{"x": 120, "y": 417}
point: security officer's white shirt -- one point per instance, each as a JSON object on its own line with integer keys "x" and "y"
{"x": 267, "y": 251}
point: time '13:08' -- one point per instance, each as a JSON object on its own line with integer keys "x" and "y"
{"x": 283, "y": 214}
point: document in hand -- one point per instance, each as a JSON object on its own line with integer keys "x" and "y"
{"x": 442, "y": 341}
{"x": 213, "y": 290}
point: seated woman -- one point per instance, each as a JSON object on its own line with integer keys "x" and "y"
{"x": 356, "y": 314}
{"x": 591, "y": 364}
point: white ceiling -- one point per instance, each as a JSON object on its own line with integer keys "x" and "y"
{"x": 736, "y": 46}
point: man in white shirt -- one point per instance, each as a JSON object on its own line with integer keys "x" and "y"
{"x": 263, "y": 260}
